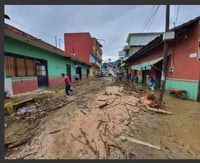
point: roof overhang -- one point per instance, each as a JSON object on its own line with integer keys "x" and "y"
{"x": 158, "y": 40}
{"x": 35, "y": 42}
{"x": 146, "y": 65}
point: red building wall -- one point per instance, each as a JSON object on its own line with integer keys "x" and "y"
{"x": 179, "y": 50}
{"x": 80, "y": 44}
{"x": 55, "y": 81}
{"x": 23, "y": 86}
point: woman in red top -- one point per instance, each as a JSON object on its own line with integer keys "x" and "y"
{"x": 67, "y": 84}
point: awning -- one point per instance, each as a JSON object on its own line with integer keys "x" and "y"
{"x": 146, "y": 65}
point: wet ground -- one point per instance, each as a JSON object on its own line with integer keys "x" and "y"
{"x": 80, "y": 129}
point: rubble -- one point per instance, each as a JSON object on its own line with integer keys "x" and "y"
{"x": 104, "y": 121}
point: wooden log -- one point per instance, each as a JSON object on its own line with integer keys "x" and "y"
{"x": 155, "y": 110}
{"x": 140, "y": 142}
{"x": 158, "y": 110}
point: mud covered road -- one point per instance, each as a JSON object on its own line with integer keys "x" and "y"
{"x": 104, "y": 119}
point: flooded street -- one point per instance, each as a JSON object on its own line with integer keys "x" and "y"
{"x": 104, "y": 121}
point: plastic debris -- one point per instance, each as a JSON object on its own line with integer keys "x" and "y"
{"x": 28, "y": 109}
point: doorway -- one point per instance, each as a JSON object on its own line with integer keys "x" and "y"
{"x": 41, "y": 71}
{"x": 68, "y": 72}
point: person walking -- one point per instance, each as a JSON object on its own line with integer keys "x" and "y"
{"x": 151, "y": 82}
{"x": 67, "y": 84}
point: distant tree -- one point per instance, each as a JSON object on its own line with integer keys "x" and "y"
{"x": 109, "y": 59}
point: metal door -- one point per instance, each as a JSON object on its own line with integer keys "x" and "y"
{"x": 41, "y": 70}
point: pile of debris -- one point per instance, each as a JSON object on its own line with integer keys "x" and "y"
{"x": 102, "y": 129}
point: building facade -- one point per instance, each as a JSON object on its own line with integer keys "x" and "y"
{"x": 183, "y": 65}
{"x": 86, "y": 48}
{"x": 31, "y": 63}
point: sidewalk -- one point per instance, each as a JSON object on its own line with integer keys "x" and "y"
{"x": 11, "y": 103}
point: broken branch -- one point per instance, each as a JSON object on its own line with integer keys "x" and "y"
{"x": 88, "y": 143}
{"x": 105, "y": 144}
{"x": 53, "y": 132}
{"x": 140, "y": 142}
{"x": 78, "y": 139}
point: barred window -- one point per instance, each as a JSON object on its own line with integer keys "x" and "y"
{"x": 30, "y": 67}
{"x": 21, "y": 67}
{"x": 17, "y": 66}
{"x": 10, "y": 66}
{"x": 41, "y": 70}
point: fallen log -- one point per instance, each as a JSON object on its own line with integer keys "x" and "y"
{"x": 140, "y": 142}
{"x": 155, "y": 110}
{"x": 158, "y": 110}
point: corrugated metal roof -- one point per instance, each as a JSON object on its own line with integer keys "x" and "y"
{"x": 141, "y": 39}
{"x": 158, "y": 40}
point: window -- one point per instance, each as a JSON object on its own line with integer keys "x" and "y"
{"x": 30, "y": 67}
{"x": 21, "y": 67}
{"x": 41, "y": 70}
{"x": 17, "y": 66}
{"x": 10, "y": 66}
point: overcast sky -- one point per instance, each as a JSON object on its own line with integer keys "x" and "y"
{"x": 111, "y": 23}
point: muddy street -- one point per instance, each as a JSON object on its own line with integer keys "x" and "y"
{"x": 104, "y": 119}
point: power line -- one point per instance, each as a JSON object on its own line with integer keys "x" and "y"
{"x": 148, "y": 24}
{"x": 177, "y": 14}
{"x": 29, "y": 28}
{"x": 148, "y": 17}
{"x": 38, "y": 32}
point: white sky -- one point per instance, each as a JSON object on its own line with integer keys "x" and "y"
{"x": 111, "y": 23}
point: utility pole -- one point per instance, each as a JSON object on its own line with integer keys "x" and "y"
{"x": 164, "y": 64}
{"x": 56, "y": 41}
